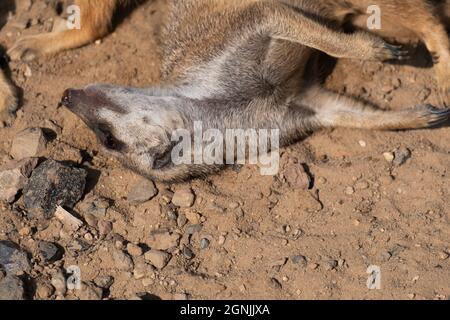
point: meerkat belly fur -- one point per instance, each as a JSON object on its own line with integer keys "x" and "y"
{"x": 245, "y": 64}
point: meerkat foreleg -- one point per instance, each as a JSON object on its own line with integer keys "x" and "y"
{"x": 96, "y": 16}
{"x": 281, "y": 22}
{"x": 334, "y": 110}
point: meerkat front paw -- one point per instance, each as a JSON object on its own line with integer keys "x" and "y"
{"x": 29, "y": 47}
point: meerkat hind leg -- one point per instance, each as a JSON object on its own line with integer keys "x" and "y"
{"x": 334, "y": 110}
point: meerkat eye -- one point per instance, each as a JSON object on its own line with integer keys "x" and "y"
{"x": 108, "y": 139}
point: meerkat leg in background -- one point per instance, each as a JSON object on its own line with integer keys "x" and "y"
{"x": 96, "y": 16}
{"x": 8, "y": 99}
{"x": 334, "y": 110}
{"x": 282, "y": 22}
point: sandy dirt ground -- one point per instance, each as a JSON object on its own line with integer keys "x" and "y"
{"x": 246, "y": 236}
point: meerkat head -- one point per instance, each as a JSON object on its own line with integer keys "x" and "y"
{"x": 133, "y": 125}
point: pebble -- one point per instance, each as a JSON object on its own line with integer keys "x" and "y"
{"x": 300, "y": 260}
{"x": 146, "y": 282}
{"x": 122, "y": 261}
{"x": 362, "y": 185}
{"x": 296, "y": 175}
{"x": 11, "y": 288}
{"x": 49, "y": 251}
{"x": 389, "y": 156}
{"x": 163, "y": 240}
{"x": 188, "y": 253}
{"x": 134, "y": 250}
{"x": 104, "y": 227}
{"x": 14, "y": 177}
{"x": 401, "y": 155}
{"x": 349, "y": 191}
{"x": 67, "y": 219}
{"x": 44, "y": 290}
{"x": 143, "y": 191}
{"x": 443, "y": 255}
{"x": 89, "y": 292}
{"x": 52, "y": 184}
{"x": 13, "y": 259}
{"x": 183, "y": 198}
{"x": 331, "y": 265}
{"x": 204, "y": 243}
{"x": 222, "y": 240}
{"x": 104, "y": 282}
{"x": 28, "y": 143}
{"x": 275, "y": 284}
{"x": 194, "y": 228}
{"x": 159, "y": 259}
{"x": 181, "y": 220}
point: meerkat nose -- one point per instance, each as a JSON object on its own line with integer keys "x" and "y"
{"x": 67, "y": 98}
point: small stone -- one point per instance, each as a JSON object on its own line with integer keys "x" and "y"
{"x": 95, "y": 207}
{"x": 104, "y": 227}
{"x": 13, "y": 259}
{"x": 222, "y": 240}
{"x": 331, "y": 265}
{"x": 389, "y": 156}
{"x": 181, "y": 220}
{"x": 296, "y": 175}
{"x": 11, "y": 288}
{"x": 14, "y": 177}
{"x": 193, "y": 217}
{"x": 89, "y": 292}
{"x": 134, "y": 250}
{"x": 401, "y": 156}
{"x": 163, "y": 240}
{"x": 68, "y": 220}
{"x": 143, "y": 191}
{"x": 300, "y": 260}
{"x": 362, "y": 143}
{"x": 49, "y": 251}
{"x": 28, "y": 143}
{"x": 52, "y": 184}
{"x": 122, "y": 261}
{"x": 142, "y": 270}
{"x": 44, "y": 290}
{"x": 188, "y": 253}
{"x": 104, "y": 282}
{"x": 362, "y": 185}
{"x": 159, "y": 259}
{"x": 183, "y": 198}
{"x": 275, "y": 284}
{"x": 443, "y": 255}
{"x": 194, "y": 228}
{"x": 322, "y": 180}
{"x": 204, "y": 244}
{"x": 349, "y": 191}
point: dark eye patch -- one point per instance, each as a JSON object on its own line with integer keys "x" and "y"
{"x": 108, "y": 139}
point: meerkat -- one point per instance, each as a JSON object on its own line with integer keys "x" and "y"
{"x": 239, "y": 64}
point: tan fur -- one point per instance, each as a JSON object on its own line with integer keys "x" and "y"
{"x": 8, "y": 99}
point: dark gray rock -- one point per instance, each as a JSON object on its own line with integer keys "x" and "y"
{"x": 204, "y": 243}
{"x": 11, "y": 288}
{"x": 49, "y": 251}
{"x": 300, "y": 260}
{"x": 52, "y": 184}
{"x": 13, "y": 259}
